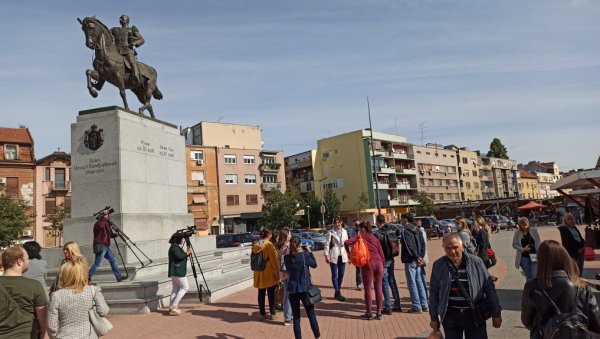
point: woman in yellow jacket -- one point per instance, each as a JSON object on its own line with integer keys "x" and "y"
{"x": 267, "y": 279}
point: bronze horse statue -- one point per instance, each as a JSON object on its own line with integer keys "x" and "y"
{"x": 111, "y": 66}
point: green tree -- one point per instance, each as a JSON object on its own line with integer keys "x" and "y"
{"x": 426, "y": 206}
{"x": 13, "y": 219}
{"x": 56, "y": 221}
{"x": 497, "y": 150}
{"x": 332, "y": 205}
{"x": 314, "y": 206}
{"x": 280, "y": 209}
{"x": 362, "y": 202}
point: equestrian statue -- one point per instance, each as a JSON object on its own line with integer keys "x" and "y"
{"x": 116, "y": 63}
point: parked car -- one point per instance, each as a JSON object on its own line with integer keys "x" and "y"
{"x": 432, "y": 226}
{"x": 305, "y": 240}
{"x": 448, "y": 225}
{"x": 500, "y": 221}
{"x": 318, "y": 239}
{"x": 234, "y": 240}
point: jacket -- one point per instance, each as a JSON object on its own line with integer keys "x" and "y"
{"x": 177, "y": 261}
{"x": 480, "y": 286}
{"x": 299, "y": 275}
{"x": 572, "y": 245}
{"x": 270, "y": 275}
{"x": 373, "y": 245}
{"x": 536, "y": 309}
{"x": 517, "y": 243}
{"x": 413, "y": 244}
{"x": 103, "y": 232}
{"x": 333, "y": 252}
{"x": 482, "y": 243}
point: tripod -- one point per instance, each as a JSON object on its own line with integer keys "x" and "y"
{"x": 193, "y": 257}
{"x": 127, "y": 241}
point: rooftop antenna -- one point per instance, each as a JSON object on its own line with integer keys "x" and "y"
{"x": 396, "y": 125}
{"x": 220, "y": 118}
{"x": 422, "y": 128}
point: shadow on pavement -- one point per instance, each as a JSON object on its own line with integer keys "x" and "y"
{"x": 228, "y": 316}
{"x": 219, "y": 336}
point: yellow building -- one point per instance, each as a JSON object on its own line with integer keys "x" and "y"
{"x": 347, "y": 164}
{"x": 529, "y": 187}
{"x": 468, "y": 172}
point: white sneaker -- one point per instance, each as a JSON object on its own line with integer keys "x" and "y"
{"x": 174, "y": 311}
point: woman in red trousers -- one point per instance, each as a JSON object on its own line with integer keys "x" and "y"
{"x": 372, "y": 273}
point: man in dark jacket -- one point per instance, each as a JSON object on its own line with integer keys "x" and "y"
{"x": 453, "y": 278}
{"x": 102, "y": 234}
{"x": 389, "y": 279}
{"x": 413, "y": 250}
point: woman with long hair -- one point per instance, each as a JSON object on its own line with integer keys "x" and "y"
{"x": 266, "y": 280}
{"x": 177, "y": 272}
{"x": 297, "y": 262}
{"x": 572, "y": 240}
{"x": 526, "y": 242}
{"x": 372, "y": 273}
{"x": 465, "y": 234}
{"x": 71, "y": 251}
{"x": 557, "y": 275}
{"x": 68, "y": 311}
{"x": 38, "y": 267}
{"x": 283, "y": 248}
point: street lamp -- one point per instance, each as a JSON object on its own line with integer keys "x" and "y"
{"x": 308, "y": 218}
{"x": 322, "y": 206}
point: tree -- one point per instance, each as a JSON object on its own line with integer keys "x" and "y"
{"x": 314, "y": 206}
{"x": 332, "y": 205}
{"x": 362, "y": 202}
{"x": 280, "y": 209}
{"x": 497, "y": 150}
{"x": 56, "y": 221}
{"x": 13, "y": 219}
{"x": 426, "y": 205}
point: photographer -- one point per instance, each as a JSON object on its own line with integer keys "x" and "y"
{"x": 177, "y": 271}
{"x": 102, "y": 234}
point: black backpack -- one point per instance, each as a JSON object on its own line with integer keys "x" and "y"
{"x": 566, "y": 325}
{"x": 389, "y": 242}
{"x": 257, "y": 261}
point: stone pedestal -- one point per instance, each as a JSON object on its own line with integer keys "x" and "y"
{"x": 134, "y": 164}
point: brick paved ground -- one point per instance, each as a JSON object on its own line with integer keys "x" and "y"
{"x": 236, "y": 316}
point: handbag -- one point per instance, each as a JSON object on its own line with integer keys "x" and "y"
{"x": 279, "y": 295}
{"x": 533, "y": 257}
{"x": 313, "y": 294}
{"x": 101, "y": 325}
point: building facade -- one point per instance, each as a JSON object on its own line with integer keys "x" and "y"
{"x": 505, "y": 177}
{"x": 468, "y": 163}
{"x": 17, "y": 167}
{"x": 299, "y": 171}
{"x": 203, "y": 188}
{"x": 52, "y": 191}
{"x": 437, "y": 172}
{"x": 529, "y": 187}
{"x": 545, "y": 181}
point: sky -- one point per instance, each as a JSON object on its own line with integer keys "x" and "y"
{"x": 456, "y": 72}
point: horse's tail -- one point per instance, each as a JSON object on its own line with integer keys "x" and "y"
{"x": 157, "y": 94}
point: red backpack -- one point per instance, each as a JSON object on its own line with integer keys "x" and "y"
{"x": 359, "y": 254}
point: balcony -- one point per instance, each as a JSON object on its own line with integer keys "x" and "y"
{"x": 380, "y": 153}
{"x": 411, "y": 171}
{"x": 382, "y": 186}
{"x": 485, "y": 178}
{"x": 394, "y": 202}
{"x": 59, "y": 186}
{"x": 397, "y": 155}
{"x": 388, "y": 170}
{"x": 270, "y": 186}
{"x": 269, "y": 168}
{"x": 403, "y": 186}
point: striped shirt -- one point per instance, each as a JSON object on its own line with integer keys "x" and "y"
{"x": 457, "y": 299}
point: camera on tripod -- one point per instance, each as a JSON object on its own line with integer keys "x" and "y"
{"x": 99, "y": 214}
{"x": 187, "y": 232}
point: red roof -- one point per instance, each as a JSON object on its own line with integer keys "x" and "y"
{"x": 547, "y": 164}
{"x": 527, "y": 175}
{"x": 15, "y": 135}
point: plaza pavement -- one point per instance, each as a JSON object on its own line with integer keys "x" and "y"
{"x": 236, "y": 316}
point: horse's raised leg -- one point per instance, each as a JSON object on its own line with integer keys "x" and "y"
{"x": 89, "y": 75}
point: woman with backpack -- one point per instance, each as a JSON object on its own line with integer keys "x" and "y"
{"x": 526, "y": 242}
{"x": 297, "y": 263}
{"x": 372, "y": 272}
{"x": 267, "y": 278}
{"x": 557, "y": 283}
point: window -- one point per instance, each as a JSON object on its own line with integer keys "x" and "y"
{"x": 467, "y": 184}
{"x": 427, "y": 153}
{"x": 197, "y": 175}
{"x": 436, "y": 182}
{"x": 270, "y": 179}
{"x": 230, "y": 159}
{"x": 197, "y": 155}
{"x": 429, "y": 182}
{"x": 474, "y": 173}
{"x": 59, "y": 178}
{"x": 233, "y": 200}
{"x": 268, "y": 160}
{"x": 10, "y": 152}
{"x": 464, "y": 160}
{"x": 231, "y": 179}
{"x": 476, "y": 185}
{"x": 250, "y": 179}
{"x": 418, "y": 152}
{"x": 449, "y": 196}
{"x": 12, "y": 187}
{"x": 199, "y": 198}
{"x": 50, "y": 205}
{"x": 248, "y": 159}
{"x": 47, "y": 174}
{"x": 251, "y": 199}
{"x": 422, "y": 182}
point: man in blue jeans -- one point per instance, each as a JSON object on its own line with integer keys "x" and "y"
{"x": 102, "y": 234}
{"x": 413, "y": 250}
{"x": 389, "y": 279}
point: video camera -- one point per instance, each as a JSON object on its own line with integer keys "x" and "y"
{"x": 98, "y": 214}
{"x": 187, "y": 232}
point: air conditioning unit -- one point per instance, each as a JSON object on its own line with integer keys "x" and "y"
{"x": 199, "y": 161}
{"x": 2, "y": 181}
{"x": 27, "y": 233}
{"x": 201, "y": 182}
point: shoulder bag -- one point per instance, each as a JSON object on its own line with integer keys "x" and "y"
{"x": 100, "y": 324}
{"x": 313, "y": 294}
{"x": 482, "y": 311}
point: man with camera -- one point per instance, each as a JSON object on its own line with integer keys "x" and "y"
{"x": 102, "y": 234}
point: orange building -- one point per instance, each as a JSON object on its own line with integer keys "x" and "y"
{"x": 203, "y": 188}
{"x": 52, "y": 189}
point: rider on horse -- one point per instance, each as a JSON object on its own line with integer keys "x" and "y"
{"x": 125, "y": 39}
